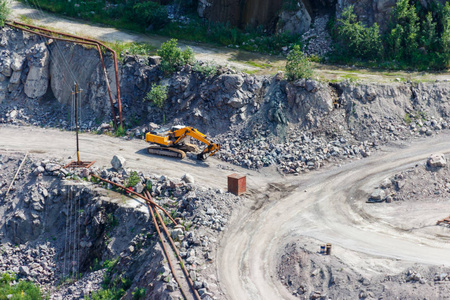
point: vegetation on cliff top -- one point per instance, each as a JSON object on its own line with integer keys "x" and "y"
{"x": 416, "y": 37}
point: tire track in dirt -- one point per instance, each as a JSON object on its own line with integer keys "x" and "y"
{"x": 327, "y": 206}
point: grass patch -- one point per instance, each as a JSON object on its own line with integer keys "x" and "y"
{"x": 132, "y": 48}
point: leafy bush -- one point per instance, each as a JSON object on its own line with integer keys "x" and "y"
{"x": 357, "y": 40}
{"x": 22, "y": 290}
{"x": 206, "y": 69}
{"x": 4, "y": 12}
{"x": 138, "y": 293}
{"x": 172, "y": 57}
{"x": 157, "y": 95}
{"x": 120, "y": 131}
{"x": 134, "y": 179}
{"x": 298, "y": 65}
{"x": 151, "y": 13}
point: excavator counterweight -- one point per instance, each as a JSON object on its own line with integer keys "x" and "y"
{"x": 173, "y": 143}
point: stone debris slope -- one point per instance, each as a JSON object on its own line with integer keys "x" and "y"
{"x": 55, "y": 237}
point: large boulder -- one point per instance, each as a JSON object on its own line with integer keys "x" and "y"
{"x": 118, "y": 162}
{"x": 188, "y": 178}
{"x": 294, "y": 22}
{"x": 37, "y": 80}
{"x": 378, "y": 195}
{"x": 436, "y": 160}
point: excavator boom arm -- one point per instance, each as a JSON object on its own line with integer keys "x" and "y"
{"x": 192, "y": 132}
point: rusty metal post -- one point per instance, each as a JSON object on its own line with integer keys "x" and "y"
{"x": 76, "y": 122}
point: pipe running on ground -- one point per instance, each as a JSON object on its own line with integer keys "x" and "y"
{"x": 186, "y": 273}
{"x": 136, "y": 194}
{"x": 165, "y": 249}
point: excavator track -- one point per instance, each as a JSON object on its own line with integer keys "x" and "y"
{"x": 166, "y": 151}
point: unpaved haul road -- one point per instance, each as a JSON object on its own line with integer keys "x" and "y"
{"x": 53, "y": 143}
{"x": 327, "y": 205}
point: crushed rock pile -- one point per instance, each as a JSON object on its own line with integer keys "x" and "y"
{"x": 427, "y": 181}
{"x": 303, "y": 273}
{"x": 114, "y": 228}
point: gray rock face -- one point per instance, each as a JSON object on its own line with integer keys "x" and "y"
{"x": 294, "y": 22}
{"x": 37, "y": 80}
{"x": 241, "y": 13}
{"x": 17, "y": 62}
{"x": 118, "y": 162}
{"x": 88, "y": 74}
{"x": 436, "y": 160}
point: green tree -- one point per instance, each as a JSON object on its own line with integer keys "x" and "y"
{"x": 172, "y": 57}
{"x": 402, "y": 40}
{"x": 298, "y": 65}
{"x": 356, "y": 40}
{"x": 158, "y": 96}
{"x": 4, "y": 11}
{"x": 445, "y": 37}
{"x": 429, "y": 36}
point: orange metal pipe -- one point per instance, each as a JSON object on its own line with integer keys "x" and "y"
{"x": 136, "y": 194}
{"x": 186, "y": 274}
{"x": 165, "y": 249}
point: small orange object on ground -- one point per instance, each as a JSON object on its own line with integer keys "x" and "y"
{"x": 237, "y": 184}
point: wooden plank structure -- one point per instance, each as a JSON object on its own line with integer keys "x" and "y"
{"x": 446, "y": 221}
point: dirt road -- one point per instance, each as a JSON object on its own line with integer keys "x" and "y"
{"x": 241, "y": 60}
{"x": 328, "y": 206}
{"x": 61, "y": 145}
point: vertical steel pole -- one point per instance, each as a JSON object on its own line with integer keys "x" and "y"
{"x": 76, "y": 123}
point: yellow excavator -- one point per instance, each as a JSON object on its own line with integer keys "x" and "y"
{"x": 173, "y": 143}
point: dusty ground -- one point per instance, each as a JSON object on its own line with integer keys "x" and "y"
{"x": 241, "y": 60}
{"x": 286, "y": 219}
{"x": 316, "y": 208}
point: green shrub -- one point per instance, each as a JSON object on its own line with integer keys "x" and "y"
{"x": 357, "y": 40}
{"x": 206, "y": 69}
{"x": 157, "y": 95}
{"x": 22, "y": 290}
{"x": 402, "y": 39}
{"x": 138, "y": 293}
{"x": 120, "y": 131}
{"x": 151, "y": 13}
{"x": 134, "y": 179}
{"x": 172, "y": 57}
{"x": 298, "y": 65}
{"x": 4, "y": 12}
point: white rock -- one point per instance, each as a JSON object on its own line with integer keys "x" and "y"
{"x": 188, "y": 178}
{"x": 437, "y": 160}
{"x": 118, "y": 162}
{"x": 378, "y": 194}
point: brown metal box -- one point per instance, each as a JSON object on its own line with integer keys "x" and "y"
{"x": 237, "y": 184}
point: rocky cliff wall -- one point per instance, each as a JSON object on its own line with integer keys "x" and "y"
{"x": 32, "y": 70}
{"x": 31, "y": 67}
